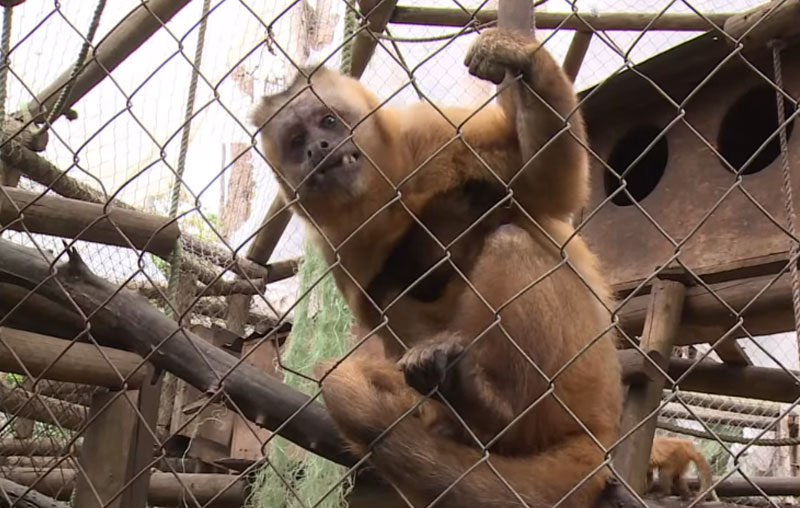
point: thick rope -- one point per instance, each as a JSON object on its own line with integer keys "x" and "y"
{"x": 729, "y": 438}
{"x": 175, "y": 257}
{"x": 350, "y": 23}
{"x": 87, "y": 43}
{"x": 6, "y": 65}
{"x": 787, "y": 186}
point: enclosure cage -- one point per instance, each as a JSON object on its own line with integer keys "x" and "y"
{"x": 163, "y": 311}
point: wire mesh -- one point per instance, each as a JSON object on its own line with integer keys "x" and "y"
{"x": 170, "y": 203}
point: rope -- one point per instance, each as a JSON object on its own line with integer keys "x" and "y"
{"x": 6, "y": 65}
{"x": 175, "y": 257}
{"x": 787, "y": 185}
{"x": 729, "y": 438}
{"x": 350, "y": 22}
{"x": 58, "y": 107}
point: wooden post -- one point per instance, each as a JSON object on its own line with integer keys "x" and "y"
{"x": 516, "y": 15}
{"x": 378, "y": 13}
{"x": 118, "y": 447}
{"x": 247, "y": 439}
{"x": 661, "y": 326}
{"x": 576, "y": 52}
{"x": 794, "y": 456}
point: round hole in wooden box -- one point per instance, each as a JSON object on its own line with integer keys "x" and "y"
{"x": 645, "y": 174}
{"x": 747, "y": 124}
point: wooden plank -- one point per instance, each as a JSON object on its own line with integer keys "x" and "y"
{"x": 705, "y": 319}
{"x": 576, "y": 53}
{"x": 629, "y": 21}
{"x": 377, "y": 14}
{"x": 47, "y": 357}
{"x": 762, "y": 383}
{"x": 661, "y": 326}
{"x": 70, "y": 218}
{"x": 765, "y": 23}
{"x": 106, "y": 454}
{"x": 33, "y": 447}
{"x": 24, "y": 404}
{"x": 248, "y": 439}
{"x": 166, "y": 489}
{"x": 731, "y": 352}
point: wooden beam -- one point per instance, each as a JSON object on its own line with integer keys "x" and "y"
{"x": 46, "y": 357}
{"x": 576, "y": 52}
{"x": 24, "y": 404}
{"x": 166, "y": 489}
{"x": 731, "y": 352}
{"x": 270, "y": 231}
{"x": 14, "y": 495}
{"x": 630, "y": 21}
{"x": 739, "y": 487}
{"x": 765, "y": 23}
{"x": 34, "y": 447}
{"x": 71, "y": 218}
{"x": 125, "y": 38}
{"x": 705, "y": 319}
{"x": 715, "y": 378}
{"x": 377, "y": 14}
{"x": 661, "y": 326}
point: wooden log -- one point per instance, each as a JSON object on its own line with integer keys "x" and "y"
{"x": 242, "y": 266}
{"x": 632, "y": 21}
{"x": 739, "y": 487}
{"x": 24, "y": 404}
{"x": 125, "y": 38}
{"x": 764, "y": 23}
{"x": 166, "y": 489}
{"x": 41, "y": 462}
{"x": 114, "y": 472}
{"x": 576, "y": 52}
{"x": 34, "y": 447}
{"x": 14, "y": 495}
{"x": 32, "y": 354}
{"x": 705, "y": 319}
{"x": 60, "y": 322}
{"x": 132, "y": 323}
{"x": 762, "y": 383}
{"x": 70, "y": 218}
{"x": 377, "y": 14}
{"x": 270, "y": 231}
{"x": 661, "y": 325}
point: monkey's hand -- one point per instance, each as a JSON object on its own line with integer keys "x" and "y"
{"x": 425, "y": 366}
{"x": 496, "y": 51}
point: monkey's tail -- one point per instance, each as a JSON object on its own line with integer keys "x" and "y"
{"x": 364, "y": 401}
{"x": 704, "y": 471}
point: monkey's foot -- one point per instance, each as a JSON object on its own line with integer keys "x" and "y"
{"x": 425, "y": 365}
{"x": 496, "y": 51}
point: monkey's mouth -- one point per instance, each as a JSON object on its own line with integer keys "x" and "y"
{"x": 335, "y": 163}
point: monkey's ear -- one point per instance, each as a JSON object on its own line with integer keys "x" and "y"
{"x": 265, "y": 109}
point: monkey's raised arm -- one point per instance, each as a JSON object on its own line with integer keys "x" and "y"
{"x": 543, "y": 110}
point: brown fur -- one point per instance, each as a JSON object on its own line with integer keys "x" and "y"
{"x": 545, "y": 285}
{"x": 671, "y": 456}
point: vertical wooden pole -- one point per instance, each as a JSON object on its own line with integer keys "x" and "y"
{"x": 660, "y": 328}
{"x": 575, "y": 54}
{"x": 516, "y": 15}
{"x": 117, "y": 447}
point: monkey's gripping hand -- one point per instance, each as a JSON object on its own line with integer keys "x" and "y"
{"x": 430, "y": 364}
{"x": 496, "y": 51}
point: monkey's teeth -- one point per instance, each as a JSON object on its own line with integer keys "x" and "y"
{"x": 348, "y": 159}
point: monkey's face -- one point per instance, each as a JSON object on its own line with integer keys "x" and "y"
{"x": 315, "y": 140}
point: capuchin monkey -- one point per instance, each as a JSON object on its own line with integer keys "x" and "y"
{"x": 447, "y": 230}
{"x": 671, "y": 457}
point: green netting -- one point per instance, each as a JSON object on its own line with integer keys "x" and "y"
{"x": 293, "y": 478}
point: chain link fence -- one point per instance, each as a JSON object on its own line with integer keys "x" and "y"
{"x": 164, "y": 311}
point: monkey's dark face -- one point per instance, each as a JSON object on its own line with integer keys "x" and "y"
{"x": 311, "y": 144}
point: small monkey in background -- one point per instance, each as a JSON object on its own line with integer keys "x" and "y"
{"x": 671, "y": 457}
{"x": 447, "y": 231}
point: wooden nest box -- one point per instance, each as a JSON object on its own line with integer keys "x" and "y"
{"x": 689, "y": 108}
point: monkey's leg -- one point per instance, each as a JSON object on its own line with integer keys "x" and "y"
{"x": 682, "y": 488}
{"x": 365, "y": 402}
{"x": 544, "y": 110}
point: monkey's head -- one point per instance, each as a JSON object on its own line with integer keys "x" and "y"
{"x": 322, "y": 135}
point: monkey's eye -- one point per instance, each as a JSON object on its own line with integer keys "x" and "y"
{"x": 296, "y": 140}
{"x": 328, "y": 121}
